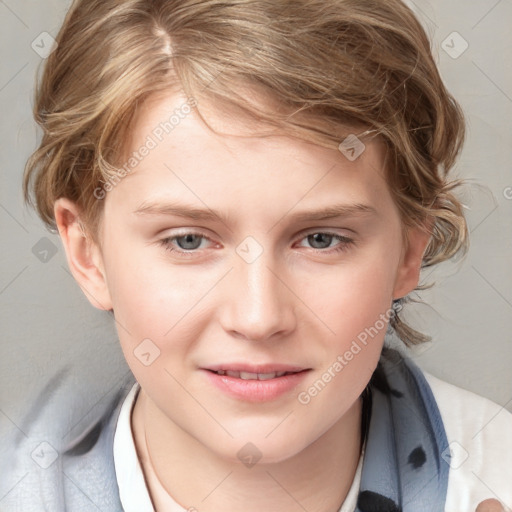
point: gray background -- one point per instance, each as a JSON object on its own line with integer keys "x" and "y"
{"x": 47, "y": 323}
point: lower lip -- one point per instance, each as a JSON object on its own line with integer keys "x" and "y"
{"x": 256, "y": 390}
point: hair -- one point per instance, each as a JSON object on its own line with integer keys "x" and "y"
{"x": 326, "y": 67}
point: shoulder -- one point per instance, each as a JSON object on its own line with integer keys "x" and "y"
{"x": 62, "y": 454}
{"x": 89, "y": 461}
{"x": 479, "y": 434}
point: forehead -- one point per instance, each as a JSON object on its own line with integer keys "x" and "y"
{"x": 171, "y": 153}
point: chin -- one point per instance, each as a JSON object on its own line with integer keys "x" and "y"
{"x": 250, "y": 449}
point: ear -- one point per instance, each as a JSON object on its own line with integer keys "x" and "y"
{"x": 408, "y": 274}
{"x": 83, "y": 254}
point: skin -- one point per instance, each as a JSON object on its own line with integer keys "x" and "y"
{"x": 490, "y": 505}
{"x": 295, "y": 304}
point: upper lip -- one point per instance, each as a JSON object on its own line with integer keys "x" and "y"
{"x": 251, "y": 368}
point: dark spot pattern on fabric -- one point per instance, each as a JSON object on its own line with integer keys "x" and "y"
{"x": 417, "y": 457}
{"x": 369, "y": 501}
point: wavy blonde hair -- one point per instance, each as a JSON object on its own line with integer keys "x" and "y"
{"x": 327, "y": 64}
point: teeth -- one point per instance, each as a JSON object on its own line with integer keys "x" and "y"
{"x": 266, "y": 376}
{"x": 250, "y": 376}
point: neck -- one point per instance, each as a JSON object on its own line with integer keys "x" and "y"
{"x": 175, "y": 464}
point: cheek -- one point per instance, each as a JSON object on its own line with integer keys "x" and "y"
{"x": 158, "y": 321}
{"x": 356, "y": 305}
{"x": 154, "y": 300}
{"x": 351, "y": 297}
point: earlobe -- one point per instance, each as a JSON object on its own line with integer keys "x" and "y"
{"x": 83, "y": 254}
{"x": 408, "y": 274}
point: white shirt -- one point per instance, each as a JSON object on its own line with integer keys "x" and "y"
{"x": 479, "y": 434}
{"x": 133, "y": 492}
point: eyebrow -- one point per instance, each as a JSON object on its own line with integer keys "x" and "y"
{"x": 207, "y": 214}
{"x": 335, "y": 211}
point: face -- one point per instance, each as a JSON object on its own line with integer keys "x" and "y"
{"x": 228, "y": 256}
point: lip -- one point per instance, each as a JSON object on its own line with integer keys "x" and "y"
{"x": 259, "y": 368}
{"x": 256, "y": 390}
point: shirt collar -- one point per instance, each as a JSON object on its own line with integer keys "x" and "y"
{"x": 133, "y": 492}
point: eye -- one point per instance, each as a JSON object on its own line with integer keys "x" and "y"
{"x": 321, "y": 241}
{"x": 185, "y": 243}
{"x": 189, "y": 242}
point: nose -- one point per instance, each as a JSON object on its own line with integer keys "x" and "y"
{"x": 258, "y": 304}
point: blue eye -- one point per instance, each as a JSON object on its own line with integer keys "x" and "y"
{"x": 321, "y": 240}
{"x": 189, "y": 244}
{"x": 186, "y": 243}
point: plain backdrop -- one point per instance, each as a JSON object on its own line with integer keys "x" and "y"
{"x": 46, "y": 322}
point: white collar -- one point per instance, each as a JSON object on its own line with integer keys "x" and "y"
{"x": 133, "y": 491}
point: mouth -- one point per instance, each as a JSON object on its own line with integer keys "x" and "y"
{"x": 255, "y": 383}
{"x": 246, "y": 371}
{"x": 253, "y": 376}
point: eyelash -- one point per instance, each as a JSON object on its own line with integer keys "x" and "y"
{"x": 344, "y": 244}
